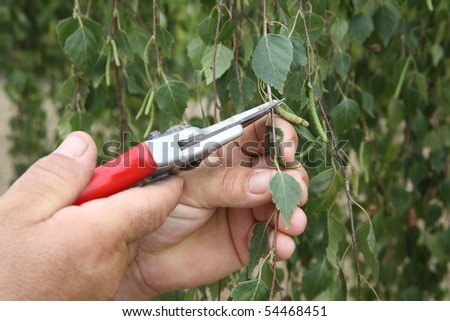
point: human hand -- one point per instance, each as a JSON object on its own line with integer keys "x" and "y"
{"x": 206, "y": 237}
{"x": 51, "y": 250}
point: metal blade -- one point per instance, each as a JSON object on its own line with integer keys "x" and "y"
{"x": 245, "y": 118}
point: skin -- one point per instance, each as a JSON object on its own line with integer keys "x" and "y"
{"x": 181, "y": 232}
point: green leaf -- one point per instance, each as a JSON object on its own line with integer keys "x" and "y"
{"x": 81, "y": 120}
{"x": 96, "y": 101}
{"x": 361, "y": 26}
{"x": 96, "y": 28}
{"x": 386, "y": 18}
{"x": 422, "y": 86}
{"x": 224, "y": 57}
{"x": 247, "y": 46}
{"x": 64, "y": 128}
{"x": 299, "y": 53}
{"x": 316, "y": 279}
{"x": 165, "y": 40}
{"x": 433, "y": 138}
{"x": 286, "y": 193}
{"x": 411, "y": 293}
{"x": 304, "y": 133}
{"x": 341, "y": 62}
{"x": 207, "y": 29}
{"x": 323, "y": 189}
{"x": 367, "y": 245}
{"x": 320, "y": 183}
{"x": 82, "y": 45}
{"x": 138, "y": 39}
{"x": 258, "y": 246}
{"x": 294, "y": 90}
{"x": 339, "y": 30}
{"x": 65, "y": 28}
{"x": 194, "y": 51}
{"x": 438, "y": 244}
{"x": 97, "y": 72}
{"x": 123, "y": 43}
{"x": 272, "y": 59}
{"x": 345, "y": 114}
{"x": 443, "y": 191}
{"x": 136, "y": 82}
{"x": 253, "y": 290}
{"x": 68, "y": 88}
{"x": 336, "y": 233}
{"x": 437, "y": 52}
{"x": 366, "y": 101}
{"x": 172, "y": 97}
{"x": 343, "y": 295}
{"x": 226, "y": 31}
{"x": 248, "y": 90}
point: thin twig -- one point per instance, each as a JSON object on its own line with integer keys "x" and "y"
{"x": 236, "y": 45}
{"x": 275, "y": 158}
{"x": 117, "y": 85}
{"x": 89, "y": 8}
{"x": 77, "y": 96}
{"x": 274, "y": 265}
{"x": 76, "y": 7}
{"x": 216, "y": 39}
{"x": 155, "y": 37}
{"x": 269, "y": 92}
{"x": 118, "y": 90}
{"x": 338, "y": 156}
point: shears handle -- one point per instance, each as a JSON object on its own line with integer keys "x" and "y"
{"x": 119, "y": 173}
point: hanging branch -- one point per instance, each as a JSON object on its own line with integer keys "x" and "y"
{"x": 116, "y": 64}
{"x": 77, "y": 97}
{"x": 76, "y": 100}
{"x": 216, "y": 39}
{"x": 89, "y": 8}
{"x": 340, "y": 160}
{"x": 237, "y": 45}
{"x": 155, "y": 37}
{"x": 275, "y": 156}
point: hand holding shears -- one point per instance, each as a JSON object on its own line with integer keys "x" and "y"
{"x": 180, "y": 147}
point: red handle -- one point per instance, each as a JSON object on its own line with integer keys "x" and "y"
{"x": 119, "y": 173}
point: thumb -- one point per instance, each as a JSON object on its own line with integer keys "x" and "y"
{"x": 54, "y": 181}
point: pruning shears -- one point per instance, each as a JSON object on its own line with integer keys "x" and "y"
{"x": 179, "y": 148}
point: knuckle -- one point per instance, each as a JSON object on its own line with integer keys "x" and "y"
{"x": 61, "y": 172}
{"x": 230, "y": 185}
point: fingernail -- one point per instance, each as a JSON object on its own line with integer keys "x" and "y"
{"x": 73, "y": 146}
{"x": 259, "y": 182}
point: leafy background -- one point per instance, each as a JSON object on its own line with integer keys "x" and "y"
{"x": 379, "y": 70}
